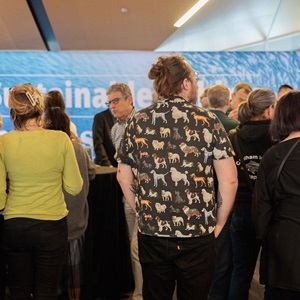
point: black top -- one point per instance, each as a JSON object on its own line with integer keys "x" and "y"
{"x": 254, "y": 140}
{"x": 277, "y": 220}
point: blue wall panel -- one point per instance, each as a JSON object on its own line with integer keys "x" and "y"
{"x": 83, "y": 77}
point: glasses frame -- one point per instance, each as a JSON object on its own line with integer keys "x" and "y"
{"x": 197, "y": 75}
{"x": 115, "y": 101}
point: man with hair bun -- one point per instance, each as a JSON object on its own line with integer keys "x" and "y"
{"x": 165, "y": 169}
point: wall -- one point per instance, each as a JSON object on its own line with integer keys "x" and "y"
{"x": 83, "y": 77}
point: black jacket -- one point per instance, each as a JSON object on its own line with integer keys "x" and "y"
{"x": 103, "y": 146}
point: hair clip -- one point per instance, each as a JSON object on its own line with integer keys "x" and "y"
{"x": 30, "y": 98}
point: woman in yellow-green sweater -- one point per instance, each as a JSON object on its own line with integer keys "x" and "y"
{"x": 38, "y": 164}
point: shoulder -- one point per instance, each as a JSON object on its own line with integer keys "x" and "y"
{"x": 79, "y": 150}
{"x": 56, "y": 134}
{"x": 103, "y": 115}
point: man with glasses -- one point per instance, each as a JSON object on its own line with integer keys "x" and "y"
{"x": 120, "y": 103}
{"x": 165, "y": 169}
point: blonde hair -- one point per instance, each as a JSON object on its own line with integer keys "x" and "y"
{"x": 258, "y": 101}
{"x": 242, "y": 85}
{"x": 218, "y": 95}
{"x": 25, "y": 103}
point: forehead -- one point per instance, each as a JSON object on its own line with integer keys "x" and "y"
{"x": 113, "y": 95}
{"x": 241, "y": 94}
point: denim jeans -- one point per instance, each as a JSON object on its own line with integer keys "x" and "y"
{"x": 220, "y": 284}
{"x": 189, "y": 261}
{"x": 245, "y": 249}
{"x": 35, "y": 251}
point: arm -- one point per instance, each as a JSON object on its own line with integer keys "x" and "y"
{"x": 3, "y": 195}
{"x": 261, "y": 205}
{"x": 91, "y": 167}
{"x": 72, "y": 181}
{"x": 227, "y": 178}
{"x": 98, "y": 140}
{"x": 125, "y": 178}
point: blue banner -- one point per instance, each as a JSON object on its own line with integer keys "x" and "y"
{"x": 84, "y": 77}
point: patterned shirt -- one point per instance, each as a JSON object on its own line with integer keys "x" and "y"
{"x": 170, "y": 147}
{"x": 118, "y": 130}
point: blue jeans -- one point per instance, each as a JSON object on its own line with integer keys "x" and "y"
{"x": 189, "y": 261}
{"x": 245, "y": 249}
{"x": 220, "y": 285}
{"x": 35, "y": 251}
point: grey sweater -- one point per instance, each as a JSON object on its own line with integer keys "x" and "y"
{"x": 78, "y": 205}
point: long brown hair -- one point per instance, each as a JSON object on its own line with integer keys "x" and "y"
{"x": 55, "y": 115}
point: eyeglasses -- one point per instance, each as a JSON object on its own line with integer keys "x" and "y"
{"x": 28, "y": 95}
{"x": 114, "y": 101}
{"x": 197, "y": 76}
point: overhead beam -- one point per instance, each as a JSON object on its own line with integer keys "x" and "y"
{"x": 43, "y": 24}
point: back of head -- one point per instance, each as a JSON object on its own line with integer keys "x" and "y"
{"x": 287, "y": 116}
{"x": 204, "y": 92}
{"x": 168, "y": 74}
{"x": 285, "y": 88}
{"x": 25, "y": 102}
{"x": 55, "y": 116}
{"x": 218, "y": 96}
{"x": 243, "y": 111}
{"x": 258, "y": 101}
{"x": 119, "y": 87}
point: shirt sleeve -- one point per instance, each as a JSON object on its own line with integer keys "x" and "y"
{"x": 222, "y": 146}
{"x": 125, "y": 150}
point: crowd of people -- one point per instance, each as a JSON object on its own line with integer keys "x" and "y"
{"x": 205, "y": 189}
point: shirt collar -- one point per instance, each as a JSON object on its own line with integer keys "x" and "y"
{"x": 132, "y": 113}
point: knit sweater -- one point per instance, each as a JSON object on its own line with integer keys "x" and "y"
{"x": 38, "y": 165}
{"x": 78, "y": 205}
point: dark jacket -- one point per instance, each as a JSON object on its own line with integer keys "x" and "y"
{"x": 277, "y": 217}
{"x": 254, "y": 140}
{"x": 103, "y": 146}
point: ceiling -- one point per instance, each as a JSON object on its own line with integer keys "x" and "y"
{"x": 92, "y": 25}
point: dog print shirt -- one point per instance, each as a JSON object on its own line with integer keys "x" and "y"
{"x": 170, "y": 147}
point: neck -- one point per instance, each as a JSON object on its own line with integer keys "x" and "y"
{"x": 222, "y": 109}
{"x": 292, "y": 135}
{"x": 32, "y": 124}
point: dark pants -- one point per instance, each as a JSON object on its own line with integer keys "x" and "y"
{"x": 245, "y": 249}
{"x": 219, "y": 288}
{"x": 35, "y": 252}
{"x": 189, "y": 261}
{"x": 2, "y": 262}
{"x": 283, "y": 294}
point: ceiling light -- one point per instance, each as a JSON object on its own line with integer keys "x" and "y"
{"x": 190, "y": 13}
